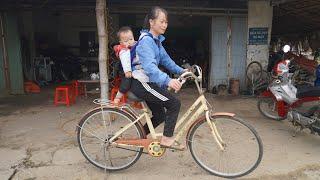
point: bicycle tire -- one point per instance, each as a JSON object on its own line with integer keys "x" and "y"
{"x": 259, "y": 71}
{"x": 83, "y": 149}
{"x": 205, "y": 166}
{"x": 265, "y": 113}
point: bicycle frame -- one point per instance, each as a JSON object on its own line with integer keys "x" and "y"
{"x": 195, "y": 110}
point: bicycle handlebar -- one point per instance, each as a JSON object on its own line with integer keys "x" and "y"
{"x": 191, "y": 74}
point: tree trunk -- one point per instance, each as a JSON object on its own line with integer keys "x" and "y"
{"x": 103, "y": 47}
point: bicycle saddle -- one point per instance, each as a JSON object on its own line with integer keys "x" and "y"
{"x": 308, "y": 92}
{"x": 133, "y": 97}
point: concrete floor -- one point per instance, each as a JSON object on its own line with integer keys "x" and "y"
{"x": 37, "y": 141}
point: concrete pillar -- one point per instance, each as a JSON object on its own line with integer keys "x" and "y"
{"x": 260, "y": 14}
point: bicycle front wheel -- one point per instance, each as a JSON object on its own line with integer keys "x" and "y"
{"x": 94, "y": 131}
{"x": 243, "y": 147}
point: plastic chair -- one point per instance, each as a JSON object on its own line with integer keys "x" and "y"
{"x": 64, "y": 95}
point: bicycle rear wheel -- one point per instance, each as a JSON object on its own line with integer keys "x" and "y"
{"x": 254, "y": 71}
{"x": 243, "y": 147}
{"x": 94, "y": 131}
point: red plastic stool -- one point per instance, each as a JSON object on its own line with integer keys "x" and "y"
{"x": 113, "y": 93}
{"x": 78, "y": 88}
{"x": 63, "y": 95}
{"x": 31, "y": 87}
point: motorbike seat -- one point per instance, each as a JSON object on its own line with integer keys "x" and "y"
{"x": 308, "y": 92}
{"x": 133, "y": 97}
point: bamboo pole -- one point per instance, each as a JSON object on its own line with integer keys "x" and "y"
{"x": 103, "y": 47}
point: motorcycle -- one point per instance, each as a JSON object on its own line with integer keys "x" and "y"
{"x": 283, "y": 99}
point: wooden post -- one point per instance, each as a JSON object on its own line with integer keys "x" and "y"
{"x": 103, "y": 47}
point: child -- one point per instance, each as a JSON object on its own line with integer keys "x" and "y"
{"x": 126, "y": 41}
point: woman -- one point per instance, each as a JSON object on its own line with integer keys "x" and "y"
{"x": 150, "y": 82}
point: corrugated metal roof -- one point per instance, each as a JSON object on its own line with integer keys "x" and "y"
{"x": 290, "y": 16}
{"x": 296, "y": 16}
{"x": 241, "y": 4}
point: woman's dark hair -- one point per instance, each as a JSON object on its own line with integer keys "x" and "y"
{"x": 153, "y": 14}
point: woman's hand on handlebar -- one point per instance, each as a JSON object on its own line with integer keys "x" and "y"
{"x": 175, "y": 84}
{"x": 186, "y": 70}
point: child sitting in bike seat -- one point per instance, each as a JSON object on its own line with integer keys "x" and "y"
{"x": 122, "y": 51}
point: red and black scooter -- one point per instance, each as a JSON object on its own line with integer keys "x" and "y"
{"x": 281, "y": 99}
{"x": 282, "y": 95}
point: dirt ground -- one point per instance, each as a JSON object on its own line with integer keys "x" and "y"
{"x": 37, "y": 141}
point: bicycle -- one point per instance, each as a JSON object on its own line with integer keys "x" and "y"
{"x": 258, "y": 78}
{"x": 112, "y": 138}
{"x": 254, "y": 71}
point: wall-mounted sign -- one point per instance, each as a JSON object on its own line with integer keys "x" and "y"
{"x": 258, "y": 36}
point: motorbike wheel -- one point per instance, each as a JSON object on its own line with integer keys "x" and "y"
{"x": 267, "y": 107}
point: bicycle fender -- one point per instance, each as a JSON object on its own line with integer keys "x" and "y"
{"x": 223, "y": 114}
